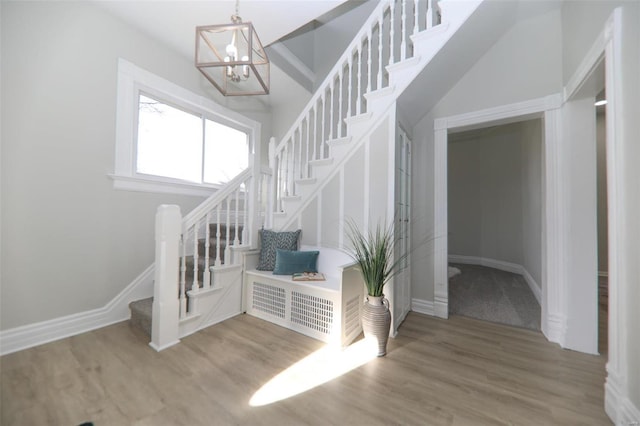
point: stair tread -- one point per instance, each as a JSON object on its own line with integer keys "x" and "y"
{"x": 141, "y": 314}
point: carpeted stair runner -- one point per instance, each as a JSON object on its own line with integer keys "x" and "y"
{"x": 141, "y": 314}
{"x": 141, "y": 310}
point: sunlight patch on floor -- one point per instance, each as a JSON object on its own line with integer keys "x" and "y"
{"x": 316, "y": 369}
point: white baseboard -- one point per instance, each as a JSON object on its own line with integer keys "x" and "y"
{"x": 422, "y": 306}
{"x": 503, "y": 266}
{"x": 556, "y": 329}
{"x": 533, "y": 285}
{"x": 619, "y": 407}
{"x": 19, "y": 338}
{"x": 490, "y": 263}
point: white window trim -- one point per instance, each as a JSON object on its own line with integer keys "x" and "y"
{"x": 131, "y": 81}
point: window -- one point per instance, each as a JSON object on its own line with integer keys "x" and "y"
{"x": 177, "y": 144}
{"x": 171, "y": 140}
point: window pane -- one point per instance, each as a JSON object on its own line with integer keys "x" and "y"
{"x": 226, "y": 152}
{"x": 169, "y": 141}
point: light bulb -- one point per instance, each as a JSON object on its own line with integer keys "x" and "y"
{"x": 232, "y": 51}
{"x": 245, "y": 68}
{"x": 229, "y": 69}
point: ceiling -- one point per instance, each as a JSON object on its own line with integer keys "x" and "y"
{"x": 173, "y": 22}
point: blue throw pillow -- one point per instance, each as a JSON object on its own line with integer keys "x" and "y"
{"x": 289, "y": 262}
{"x": 270, "y": 241}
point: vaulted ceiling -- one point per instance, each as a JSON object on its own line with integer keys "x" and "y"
{"x": 174, "y": 22}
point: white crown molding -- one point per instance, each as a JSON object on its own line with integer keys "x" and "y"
{"x": 19, "y": 338}
{"x": 587, "y": 65}
{"x": 518, "y": 111}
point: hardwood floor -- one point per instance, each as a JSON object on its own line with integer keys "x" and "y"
{"x": 437, "y": 372}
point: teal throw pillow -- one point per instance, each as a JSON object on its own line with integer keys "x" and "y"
{"x": 290, "y": 262}
{"x": 270, "y": 241}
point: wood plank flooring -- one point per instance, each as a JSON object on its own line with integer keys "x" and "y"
{"x": 437, "y": 372}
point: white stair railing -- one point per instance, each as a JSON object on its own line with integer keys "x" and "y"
{"x": 384, "y": 39}
{"x": 208, "y": 234}
{"x": 187, "y": 248}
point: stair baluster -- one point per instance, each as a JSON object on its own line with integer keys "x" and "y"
{"x": 350, "y": 84}
{"x": 182, "y": 295}
{"x": 227, "y": 224}
{"x": 218, "y": 262}
{"x": 195, "y": 286}
{"x": 236, "y": 240}
{"x": 359, "y": 85}
{"x": 404, "y": 32}
{"x": 206, "y": 277}
{"x": 432, "y": 14}
{"x": 380, "y": 45}
{"x": 416, "y": 17}
{"x": 322, "y": 139}
{"x": 391, "y": 31}
{"x": 315, "y": 131}
{"x": 369, "y": 60}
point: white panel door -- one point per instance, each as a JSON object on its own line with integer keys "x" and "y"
{"x": 402, "y": 282}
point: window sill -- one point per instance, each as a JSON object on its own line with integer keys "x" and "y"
{"x": 140, "y": 184}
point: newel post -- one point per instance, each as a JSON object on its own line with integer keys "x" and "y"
{"x": 166, "y": 308}
{"x": 271, "y": 197}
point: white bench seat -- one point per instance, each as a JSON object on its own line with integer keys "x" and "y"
{"x": 326, "y": 310}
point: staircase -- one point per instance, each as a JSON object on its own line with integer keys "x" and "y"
{"x": 210, "y": 251}
{"x": 199, "y": 258}
{"x": 395, "y": 44}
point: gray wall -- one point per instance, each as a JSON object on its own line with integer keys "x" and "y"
{"x": 601, "y": 140}
{"x": 495, "y": 185}
{"x": 70, "y": 242}
{"x": 485, "y": 199}
{"x": 532, "y": 166}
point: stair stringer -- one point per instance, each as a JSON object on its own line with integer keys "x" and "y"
{"x": 426, "y": 45}
{"x": 221, "y": 301}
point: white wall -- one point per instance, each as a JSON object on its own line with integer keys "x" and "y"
{"x": 422, "y": 212}
{"x": 70, "y": 242}
{"x": 630, "y": 150}
{"x": 578, "y": 153}
{"x": 582, "y": 22}
{"x": 524, "y": 64}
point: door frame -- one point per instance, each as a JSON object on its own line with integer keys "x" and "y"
{"x": 403, "y": 159}
{"x": 608, "y": 45}
{"x": 547, "y": 108}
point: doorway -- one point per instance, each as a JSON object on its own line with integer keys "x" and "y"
{"x": 495, "y": 221}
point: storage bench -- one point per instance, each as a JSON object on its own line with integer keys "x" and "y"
{"x": 325, "y": 310}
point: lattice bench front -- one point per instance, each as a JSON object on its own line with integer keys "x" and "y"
{"x": 325, "y": 310}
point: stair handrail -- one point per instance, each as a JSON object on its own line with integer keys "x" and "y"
{"x": 369, "y": 23}
{"x": 218, "y": 197}
{"x": 386, "y": 38}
